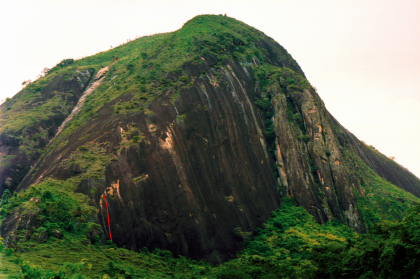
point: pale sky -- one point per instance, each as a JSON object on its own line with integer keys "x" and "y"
{"x": 362, "y": 56}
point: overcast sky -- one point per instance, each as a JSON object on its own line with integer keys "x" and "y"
{"x": 362, "y": 56}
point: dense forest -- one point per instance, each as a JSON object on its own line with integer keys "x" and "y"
{"x": 290, "y": 245}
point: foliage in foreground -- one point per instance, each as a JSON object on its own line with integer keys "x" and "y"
{"x": 293, "y": 245}
{"x": 290, "y": 245}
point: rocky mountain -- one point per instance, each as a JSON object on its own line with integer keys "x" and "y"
{"x": 193, "y": 137}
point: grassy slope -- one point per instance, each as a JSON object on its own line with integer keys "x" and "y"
{"x": 7, "y": 269}
{"x": 110, "y": 260}
{"x": 15, "y": 114}
{"x": 378, "y": 199}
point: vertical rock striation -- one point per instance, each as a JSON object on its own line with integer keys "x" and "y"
{"x": 196, "y": 158}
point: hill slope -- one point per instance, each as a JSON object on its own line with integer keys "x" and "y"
{"x": 193, "y": 136}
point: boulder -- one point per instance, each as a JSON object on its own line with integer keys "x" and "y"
{"x": 58, "y": 234}
{"x": 28, "y": 220}
{"x": 94, "y": 233}
{"x": 43, "y": 237}
{"x": 28, "y": 234}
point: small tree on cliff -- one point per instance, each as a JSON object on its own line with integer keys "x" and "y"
{"x": 25, "y": 83}
{"x": 45, "y": 71}
{"x": 6, "y": 195}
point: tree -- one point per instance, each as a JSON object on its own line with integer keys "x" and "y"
{"x": 6, "y": 195}
{"x": 26, "y": 83}
{"x": 45, "y": 71}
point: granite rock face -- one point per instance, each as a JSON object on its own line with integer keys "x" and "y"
{"x": 313, "y": 171}
{"x": 195, "y": 167}
{"x": 20, "y": 148}
{"x": 192, "y": 180}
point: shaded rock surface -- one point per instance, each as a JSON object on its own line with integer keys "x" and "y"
{"x": 194, "y": 173}
{"x": 204, "y": 175}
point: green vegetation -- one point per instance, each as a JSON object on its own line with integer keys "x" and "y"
{"x": 140, "y": 178}
{"x": 378, "y": 199}
{"x": 390, "y": 251}
{"x": 7, "y": 269}
{"x": 91, "y": 158}
{"x": 274, "y": 80}
{"x": 293, "y": 245}
{"x": 283, "y": 246}
{"x": 132, "y": 137}
{"x": 290, "y": 245}
{"x": 145, "y": 69}
{"x": 26, "y": 118}
{"x": 5, "y": 197}
{"x": 68, "y": 243}
{"x": 31, "y": 106}
{"x": 64, "y": 63}
{"x": 67, "y": 256}
{"x": 54, "y": 200}
{"x": 265, "y": 106}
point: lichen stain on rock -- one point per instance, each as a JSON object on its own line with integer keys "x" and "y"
{"x": 113, "y": 190}
{"x": 152, "y": 128}
{"x": 282, "y": 180}
{"x": 319, "y": 128}
{"x": 353, "y": 218}
{"x": 213, "y": 81}
{"x": 168, "y": 142}
{"x": 122, "y": 134}
{"x": 168, "y": 145}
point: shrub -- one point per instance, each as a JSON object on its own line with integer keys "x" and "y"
{"x": 290, "y": 81}
{"x": 306, "y": 138}
{"x": 65, "y": 63}
{"x": 9, "y": 252}
{"x": 183, "y": 79}
{"x": 130, "y": 67}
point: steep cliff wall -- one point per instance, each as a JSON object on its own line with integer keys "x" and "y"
{"x": 193, "y": 137}
{"x": 198, "y": 177}
{"x": 310, "y": 162}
